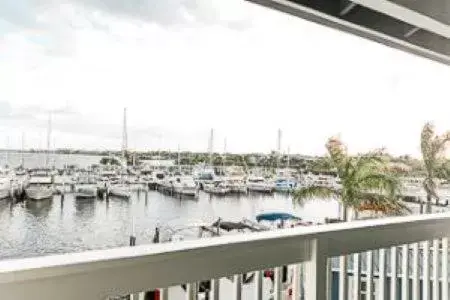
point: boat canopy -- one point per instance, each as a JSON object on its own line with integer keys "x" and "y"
{"x": 275, "y": 216}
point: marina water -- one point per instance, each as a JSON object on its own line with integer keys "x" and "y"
{"x": 60, "y": 226}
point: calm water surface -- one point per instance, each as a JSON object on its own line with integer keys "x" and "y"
{"x": 56, "y": 226}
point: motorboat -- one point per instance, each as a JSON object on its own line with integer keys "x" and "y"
{"x": 119, "y": 191}
{"x": 217, "y": 187}
{"x": 285, "y": 185}
{"x": 38, "y": 192}
{"x": 85, "y": 193}
{"x": 185, "y": 186}
{"x": 40, "y": 185}
{"x": 259, "y": 184}
{"x": 237, "y": 185}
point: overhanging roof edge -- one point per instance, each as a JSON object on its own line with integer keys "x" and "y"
{"x": 343, "y": 25}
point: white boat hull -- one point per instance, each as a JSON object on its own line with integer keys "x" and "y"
{"x": 119, "y": 192}
{"x": 39, "y": 193}
{"x": 238, "y": 189}
{"x": 186, "y": 191}
{"x": 216, "y": 190}
{"x": 260, "y": 188}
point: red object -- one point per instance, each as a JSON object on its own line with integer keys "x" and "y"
{"x": 268, "y": 273}
{"x": 157, "y": 295}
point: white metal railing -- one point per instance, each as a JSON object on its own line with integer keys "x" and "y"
{"x": 123, "y": 271}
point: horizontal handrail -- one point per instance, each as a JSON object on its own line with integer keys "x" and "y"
{"x": 98, "y": 274}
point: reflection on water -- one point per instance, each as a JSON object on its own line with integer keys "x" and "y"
{"x": 85, "y": 208}
{"x": 39, "y": 209}
{"x": 69, "y": 225}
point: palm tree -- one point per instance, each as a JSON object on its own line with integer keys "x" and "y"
{"x": 433, "y": 149}
{"x": 366, "y": 182}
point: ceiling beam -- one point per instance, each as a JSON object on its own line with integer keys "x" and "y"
{"x": 407, "y": 15}
{"x": 347, "y": 8}
{"x": 411, "y": 32}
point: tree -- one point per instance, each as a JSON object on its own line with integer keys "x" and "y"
{"x": 433, "y": 149}
{"x": 366, "y": 182}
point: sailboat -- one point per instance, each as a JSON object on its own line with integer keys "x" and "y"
{"x": 41, "y": 181}
{"x": 122, "y": 190}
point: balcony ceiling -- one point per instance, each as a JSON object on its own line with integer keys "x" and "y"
{"x": 416, "y": 26}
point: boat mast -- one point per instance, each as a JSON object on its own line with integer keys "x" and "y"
{"x": 124, "y": 136}
{"x": 49, "y": 136}
{"x": 22, "y": 159}
{"x": 224, "y": 152}
{"x": 178, "y": 159}
{"x": 211, "y": 147}
{"x": 278, "y": 154}
{"x": 288, "y": 157}
{"x": 7, "y": 151}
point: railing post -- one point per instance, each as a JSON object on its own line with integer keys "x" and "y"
{"x": 215, "y": 286}
{"x": 435, "y": 264}
{"x": 415, "y": 272}
{"x": 259, "y": 285}
{"x": 356, "y": 276}
{"x": 296, "y": 282}
{"x": 238, "y": 287}
{"x": 426, "y": 271}
{"x": 164, "y": 294}
{"x": 316, "y": 272}
{"x": 191, "y": 291}
{"x": 277, "y": 284}
{"x": 393, "y": 273}
{"x": 382, "y": 275}
{"x": 444, "y": 270}
{"x": 343, "y": 279}
{"x": 405, "y": 272}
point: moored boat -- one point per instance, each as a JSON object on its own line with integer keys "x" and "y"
{"x": 259, "y": 184}
{"x": 40, "y": 187}
{"x": 185, "y": 186}
{"x": 39, "y": 192}
{"x": 120, "y": 191}
{"x": 217, "y": 188}
{"x": 86, "y": 193}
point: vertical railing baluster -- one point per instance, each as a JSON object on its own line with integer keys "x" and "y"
{"x": 329, "y": 280}
{"x": 316, "y": 272}
{"x": 369, "y": 275}
{"x": 277, "y": 283}
{"x": 415, "y": 272}
{"x": 405, "y": 272}
{"x": 191, "y": 291}
{"x": 296, "y": 281}
{"x": 259, "y": 285}
{"x": 343, "y": 272}
{"x": 394, "y": 273}
{"x": 382, "y": 274}
{"x": 444, "y": 283}
{"x": 164, "y": 294}
{"x": 435, "y": 269}
{"x": 238, "y": 287}
{"x": 356, "y": 276}
{"x": 215, "y": 288}
{"x": 426, "y": 271}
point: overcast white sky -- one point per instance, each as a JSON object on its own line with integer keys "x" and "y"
{"x": 182, "y": 67}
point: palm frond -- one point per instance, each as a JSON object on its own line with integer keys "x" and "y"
{"x": 381, "y": 203}
{"x": 304, "y": 194}
{"x": 382, "y": 183}
{"x": 338, "y": 153}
